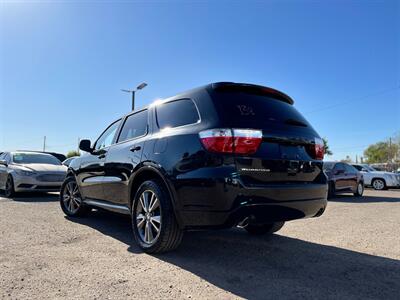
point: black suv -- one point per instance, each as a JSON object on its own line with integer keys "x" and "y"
{"x": 223, "y": 155}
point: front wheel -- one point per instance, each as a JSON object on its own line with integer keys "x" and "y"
{"x": 264, "y": 228}
{"x": 331, "y": 190}
{"x": 153, "y": 220}
{"x": 9, "y": 190}
{"x": 71, "y": 199}
{"x": 360, "y": 190}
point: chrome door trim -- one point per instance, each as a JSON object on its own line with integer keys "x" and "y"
{"x": 113, "y": 207}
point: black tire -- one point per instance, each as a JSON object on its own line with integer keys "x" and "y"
{"x": 255, "y": 229}
{"x": 379, "y": 184}
{"x": 331, "y": 190}
{"x": 169, "y": 235}
{"x": 359, "y": 190}
{"x": 9, "y": 190}
{"x": 74, "y": 207}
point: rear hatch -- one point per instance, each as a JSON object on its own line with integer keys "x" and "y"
{"x": 286, "y": 153}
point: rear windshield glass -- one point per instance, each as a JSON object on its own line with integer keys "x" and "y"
{"x": 35, "y": 158}
{"x": 328, "y": 166}
{"x": 249, "y": 110}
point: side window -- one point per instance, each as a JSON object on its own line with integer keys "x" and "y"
{"x": 7, "y": 157}
{"x": 177, "y": 113}
{"x": 135, "y": 125}
{"x": 350, "y": 169}
{"x": 107, "y": 137}
{"x": 339, "y": 167}
{"x": 359, "y": 168}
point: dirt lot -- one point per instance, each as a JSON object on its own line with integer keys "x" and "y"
{"x": 352, "y": 251}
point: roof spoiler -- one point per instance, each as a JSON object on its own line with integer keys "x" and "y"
{"x": 251, "y": 89}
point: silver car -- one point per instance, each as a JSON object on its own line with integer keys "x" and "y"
{"x": 23, "y": 171}
{"x": 379, "y": 180}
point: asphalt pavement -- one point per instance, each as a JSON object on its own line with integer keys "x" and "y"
{"x": 351, "y": 252}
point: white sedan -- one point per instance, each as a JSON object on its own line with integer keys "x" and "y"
{"x": 24, "y": 171}
{"x": 379, "y": 180}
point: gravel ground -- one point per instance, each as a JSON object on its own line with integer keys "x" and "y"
{"x": 351, "y": 252}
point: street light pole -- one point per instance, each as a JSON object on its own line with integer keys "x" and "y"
{"x": 133, "y": 100}
{"x": 139, "y": 87}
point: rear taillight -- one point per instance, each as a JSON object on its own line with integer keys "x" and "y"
{"x": 246, "y": 141}
{"x": 317, "y": 151}
{"x": 226, "y": 140}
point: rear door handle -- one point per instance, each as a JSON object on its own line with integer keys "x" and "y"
{"x": 135, "y": 148}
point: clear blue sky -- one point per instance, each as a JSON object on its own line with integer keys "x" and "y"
{"x": 62, "y": 65}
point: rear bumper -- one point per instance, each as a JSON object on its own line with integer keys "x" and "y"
{"x": 274, "y": 203}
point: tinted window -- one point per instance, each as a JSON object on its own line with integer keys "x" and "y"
{"x": 350, "y": 169}
{"x": 244, "y": 109}
{"x": 134, "y": 126}
{"x": 359, "y": 168}
{"x": 328, "y": 165}
{"x": 177, "y": 113}
{"x": 107, "y": 137}
{"x": 339, "y": 166}
{"x": 34, "y": 158}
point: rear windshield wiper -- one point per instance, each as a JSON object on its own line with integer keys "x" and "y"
{"x": 295, "y": 123}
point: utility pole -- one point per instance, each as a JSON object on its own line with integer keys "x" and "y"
{"x": 390, "y": 150}
{"x": 139, "y": 87}
{"x": 44, "y": 144}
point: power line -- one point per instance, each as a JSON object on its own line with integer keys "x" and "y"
{"x": 352, "y": 147}
{"x": 64, "y": 145}
{"x": 382, "y": 92}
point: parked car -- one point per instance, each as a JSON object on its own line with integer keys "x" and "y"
{"x": 30, "y": 171}
{"x": 215, "y": 157}
{"x": 379, "y": 180}
{"x": 68, "y": 161}
{"x": 59, "y": 156}
{"x": 343, "y": 178}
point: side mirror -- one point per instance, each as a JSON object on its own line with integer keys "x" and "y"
{"x": 3, "y": 162}
{"x": 84, "y": 145}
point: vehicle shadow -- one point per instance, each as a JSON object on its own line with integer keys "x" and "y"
{"x": 269, "y": 267}
{"x": 364, "y": 199}
{"x": 34, "y": 197}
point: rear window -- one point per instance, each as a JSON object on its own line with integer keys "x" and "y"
{"x": 177, "y": 113}
{"x": 249, "y": 110}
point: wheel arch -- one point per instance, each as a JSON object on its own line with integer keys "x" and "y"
{"x": 149, "y": 171}
{"x": 376, "y": 178}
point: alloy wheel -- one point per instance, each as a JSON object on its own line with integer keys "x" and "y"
{"x": 148, "y": 217}
{"x": 9, "y": 187}
{"x": 360, "y": 188}
{"x": 378, "y": 184}
{"x": 71, "y": 197}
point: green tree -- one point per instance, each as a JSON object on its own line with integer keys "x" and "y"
{"x": 381, "y": 152}
{"x": 73, "y": 153}
{"x": 326, "y": 147}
